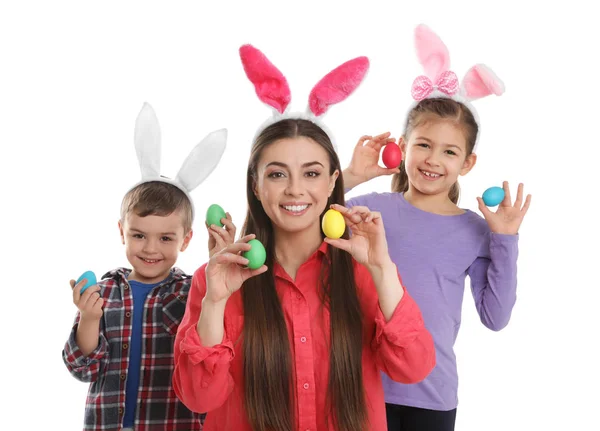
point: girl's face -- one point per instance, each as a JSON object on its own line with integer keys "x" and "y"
{"x": 434, "y": 156}
{"x": 293, "y": 183}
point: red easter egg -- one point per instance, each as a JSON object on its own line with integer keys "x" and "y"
{"x": 392, "y": 156}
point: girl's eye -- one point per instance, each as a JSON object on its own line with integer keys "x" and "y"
{"x": 313, "y": 174}
{"x": 138, "y": 236}
{"x": 422, "y": 144}
{"x": 275, "y": 175}
{"x": 166, "y": 238}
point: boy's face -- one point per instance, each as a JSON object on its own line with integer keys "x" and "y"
{"x": 152, "y": 244}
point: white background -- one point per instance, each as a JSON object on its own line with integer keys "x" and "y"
{"x": 73, "y": 77}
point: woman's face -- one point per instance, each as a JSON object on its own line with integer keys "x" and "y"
{"x": 293, "y": 183}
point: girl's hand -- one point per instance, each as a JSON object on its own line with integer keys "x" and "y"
{"x": 508, "y": 217}
{"x": 364, "y": 165}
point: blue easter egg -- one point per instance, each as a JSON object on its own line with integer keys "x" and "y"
{"x": 90, "y": 277}
{"x": 493, "y": 196}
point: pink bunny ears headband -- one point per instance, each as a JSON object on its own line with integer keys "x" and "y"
{"x": 439, "y": 81}
{"x": 272, "y": 87}
{"x": 198, "y": 165}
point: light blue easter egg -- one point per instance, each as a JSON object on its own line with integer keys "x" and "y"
{"x": 493, "y": 196}
{"x": 90, "y": 277}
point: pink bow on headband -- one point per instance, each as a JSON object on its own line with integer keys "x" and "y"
{"x": 422, "y": 86}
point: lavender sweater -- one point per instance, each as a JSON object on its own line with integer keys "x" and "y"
{"x": 434, "y": 254}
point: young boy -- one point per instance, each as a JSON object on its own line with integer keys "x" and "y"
{"x": 122, "y": 339}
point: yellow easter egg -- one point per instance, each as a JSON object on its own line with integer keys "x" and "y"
{"x": 333, "y": 224}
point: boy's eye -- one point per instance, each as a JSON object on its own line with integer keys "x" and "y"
{"x": 423, "y": 144}
{"x": 452, "y": 153}
{"x": 166, "y": 238}
{"x": 138, "y": 235}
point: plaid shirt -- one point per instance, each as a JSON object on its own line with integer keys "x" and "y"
{"x": 158, "y": 408}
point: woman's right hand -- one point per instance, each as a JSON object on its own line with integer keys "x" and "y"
{"x": 227, "y": 270}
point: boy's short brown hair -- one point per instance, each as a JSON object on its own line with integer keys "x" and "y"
{"x": 157, "y": 198}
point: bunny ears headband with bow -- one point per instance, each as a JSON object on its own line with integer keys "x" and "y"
{"x": 198, "y": 165}
{"x": 272, "y": 87}
{"x": 439, "y": 81}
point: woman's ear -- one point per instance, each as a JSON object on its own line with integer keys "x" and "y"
{"x": 255, "y": 189}
{"x": 332, "y": 179}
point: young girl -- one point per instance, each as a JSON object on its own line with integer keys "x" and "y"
{"x": 436, "y": 244}
{"x": 299, "y": 343}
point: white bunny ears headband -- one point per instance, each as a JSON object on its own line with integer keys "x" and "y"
{"x": 198, "y": 165}
{"x": 272, "y": 87}
{"x": 439, "y": 81}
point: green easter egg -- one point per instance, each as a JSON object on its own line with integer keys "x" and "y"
{"x": 256, "y": 255}
{"x": 214, "y": 214}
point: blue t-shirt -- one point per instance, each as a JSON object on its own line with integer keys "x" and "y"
{"x": 140, "y": 292}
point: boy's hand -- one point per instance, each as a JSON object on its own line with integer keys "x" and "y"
{"x": 218, "y": 237}
{"x": 89, "y": 303}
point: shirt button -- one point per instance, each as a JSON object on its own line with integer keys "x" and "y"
{"x": 181, "y": 298}
{"x": 120, "y": 411}
{"x": 305, "y": 386}
{"x": 125, "y": 346}
{"x": 128, "y": 314}
{"x": 126, "y": 287}
{"x": 303, "y": 339}
{"x": 122, "y": 376}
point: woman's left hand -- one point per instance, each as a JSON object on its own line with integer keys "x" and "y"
{"x": 367, "y": 243}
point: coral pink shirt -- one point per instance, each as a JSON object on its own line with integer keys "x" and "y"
{"x": 211, "y": 379}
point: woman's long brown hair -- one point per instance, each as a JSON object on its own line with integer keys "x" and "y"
{"x": 269, "y": 392}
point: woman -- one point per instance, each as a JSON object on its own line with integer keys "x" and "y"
{"x": 298, "y": 343}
